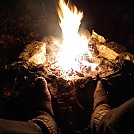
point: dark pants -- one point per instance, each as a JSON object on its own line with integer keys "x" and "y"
{"x": 18, "y": 127}
{"x": 119, "y": 120}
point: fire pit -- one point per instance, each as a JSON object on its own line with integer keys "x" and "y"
{"x": 70, "y": 65}
{"x": 78, "y": 54}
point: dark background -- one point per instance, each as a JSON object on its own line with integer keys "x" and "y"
{"x": 111, "y": 19}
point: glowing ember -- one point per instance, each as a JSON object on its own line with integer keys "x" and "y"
{"x": 74, "y": 47}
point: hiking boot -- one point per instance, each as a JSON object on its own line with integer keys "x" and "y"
{"x": 45, "y": 117}
{"x": 100, "y": 106}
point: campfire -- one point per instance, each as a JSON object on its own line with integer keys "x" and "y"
{"x": 70, "y": 64}
{"x": 73, "y": 54}
{"x": 77, "y": 54}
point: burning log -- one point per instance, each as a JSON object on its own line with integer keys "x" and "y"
{"x": 109, "y": 55}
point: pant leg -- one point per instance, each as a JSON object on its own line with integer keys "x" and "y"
{"x": 119, "y": 120}
{"x": 18, "y": 127}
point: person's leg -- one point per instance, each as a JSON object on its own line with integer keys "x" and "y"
{"x": 18, "y": 127}
{"x": 119, "y": 120}
{"x": 100, "y": 106}
{"x": 43, "y": 120}
{"x": 45, "y": 116}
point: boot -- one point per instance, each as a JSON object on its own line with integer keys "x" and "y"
{"x": 100, "y": 106}
{"x": 45, "y": 117}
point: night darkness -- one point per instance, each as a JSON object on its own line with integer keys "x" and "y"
{"x": 111, "y": 19}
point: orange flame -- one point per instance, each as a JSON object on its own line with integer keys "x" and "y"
{"x": 73, "y": 53}
{"x": 73, "y": 46}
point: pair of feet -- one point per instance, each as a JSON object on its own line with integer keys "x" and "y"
{"x": 45, "y": 120}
